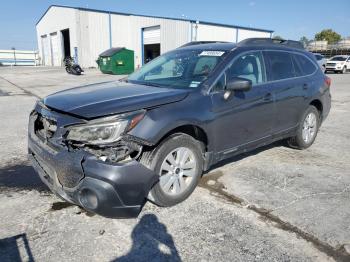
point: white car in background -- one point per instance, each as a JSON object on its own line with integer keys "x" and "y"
{"x": 338, "y": 63}
{"x": 321, "y": 61}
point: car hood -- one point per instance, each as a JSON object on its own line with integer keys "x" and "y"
{"x": 111, "y": 98}
{"x": 336, "y": 62}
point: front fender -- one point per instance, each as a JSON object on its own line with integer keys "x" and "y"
{"x": 194, "y": 110}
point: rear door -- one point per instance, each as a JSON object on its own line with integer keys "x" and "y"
{"x": 243, "y": 118}
{"x": 289, "y": 88}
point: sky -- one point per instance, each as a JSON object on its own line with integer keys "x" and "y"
{"x": 290, "y": 19}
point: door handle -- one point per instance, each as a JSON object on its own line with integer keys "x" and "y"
{"x": 305, "y": 86}
{"x": 268, "y": 97}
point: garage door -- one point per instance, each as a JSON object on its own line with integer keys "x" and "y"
{"x": 45, "y": 46}
{"x": 151, "y": 35}
{"x": 55, "y": 50}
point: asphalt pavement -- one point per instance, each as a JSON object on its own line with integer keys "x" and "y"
{"x": 272, "y": 204}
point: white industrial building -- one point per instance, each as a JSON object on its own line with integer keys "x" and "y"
{"x": 85, "y": 33}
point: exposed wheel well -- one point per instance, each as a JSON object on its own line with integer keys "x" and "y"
{"x": 192, "y": 130}
{"x": 317, "y": 103}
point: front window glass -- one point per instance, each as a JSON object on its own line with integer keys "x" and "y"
{"x": 338, "y": 58}
{"x": 179, "y": 69}
{"x": 249, "y": 66}
{"x": 220, "y": 84}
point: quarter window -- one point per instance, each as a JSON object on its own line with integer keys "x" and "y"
{"x": 306, "y": 67}
{"x": 281, "y": 65}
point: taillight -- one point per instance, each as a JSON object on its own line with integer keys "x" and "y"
{"x": 327, "y": 81}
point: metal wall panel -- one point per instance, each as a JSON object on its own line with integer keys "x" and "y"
{"x": 93, "y": 37}
{"x": 126, "y": 32}
{"x": 93, "y": 32}
{"x": 55, "y": 20}
{"x": 244, "y": 34}
{"x": 122, "y": 31}
{"x": 202, "y": 32}
{"x": 174, "y": 34}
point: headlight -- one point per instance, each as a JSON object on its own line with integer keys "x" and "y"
{"x": 105, "y": 130}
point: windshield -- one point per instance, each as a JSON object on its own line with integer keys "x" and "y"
{"x": 338, "y": 58}
{"x": 178, "y": 69}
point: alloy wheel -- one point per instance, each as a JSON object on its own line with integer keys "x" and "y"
{"x": 177, "y": 171}
{"x": 309, "y": 127}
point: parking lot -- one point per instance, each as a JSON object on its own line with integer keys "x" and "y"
{"x": 272, "y": 204}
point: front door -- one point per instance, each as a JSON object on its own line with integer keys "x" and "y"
{"x": 244, "y": 118}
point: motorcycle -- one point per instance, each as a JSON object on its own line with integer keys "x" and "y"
{"x": 72, "y": 67}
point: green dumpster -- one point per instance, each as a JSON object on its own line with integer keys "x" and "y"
{"x": 116, "y": 61}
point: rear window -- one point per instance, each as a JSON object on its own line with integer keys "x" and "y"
{"x": 305, "y": 66}
{"x": 281, "y": 65}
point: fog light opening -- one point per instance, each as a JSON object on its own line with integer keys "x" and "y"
{"x": 88, "y": 199}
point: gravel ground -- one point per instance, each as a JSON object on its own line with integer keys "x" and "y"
{"x": 273, "y": 204}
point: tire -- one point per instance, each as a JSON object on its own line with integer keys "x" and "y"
{"x": 302, "y": 140}
{"x": 169, "y": 191}
{"x": 75, "y": 72}
{"x": 344, "y": 70}
{"x": 77, "y": 69}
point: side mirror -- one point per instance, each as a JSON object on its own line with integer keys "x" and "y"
{"x": 239, "y": 84}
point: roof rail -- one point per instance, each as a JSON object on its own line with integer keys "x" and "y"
{"x": 272, "y": 41}
{"x": 201, "y": 43}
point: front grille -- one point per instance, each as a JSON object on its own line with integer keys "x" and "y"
{"x": 331, "y": 64}
{"x": 42, "y": 167}
{"x": 44, "y": 127}
{"x": 70, "y": 179}
{"x": 69, "y": 170}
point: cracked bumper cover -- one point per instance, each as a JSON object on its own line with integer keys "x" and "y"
{"x": 119, "y": 190}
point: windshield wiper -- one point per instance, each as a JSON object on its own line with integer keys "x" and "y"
{"x": 124, "y": 79}
{"x": 149, "y": 84}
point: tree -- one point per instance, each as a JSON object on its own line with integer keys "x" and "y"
{"x": 328, "y": 35}
{"x": 304, "y": 41}
{"x": 278, "y": 37}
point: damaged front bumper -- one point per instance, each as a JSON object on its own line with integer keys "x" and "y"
{"x": 116, "y": 190}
